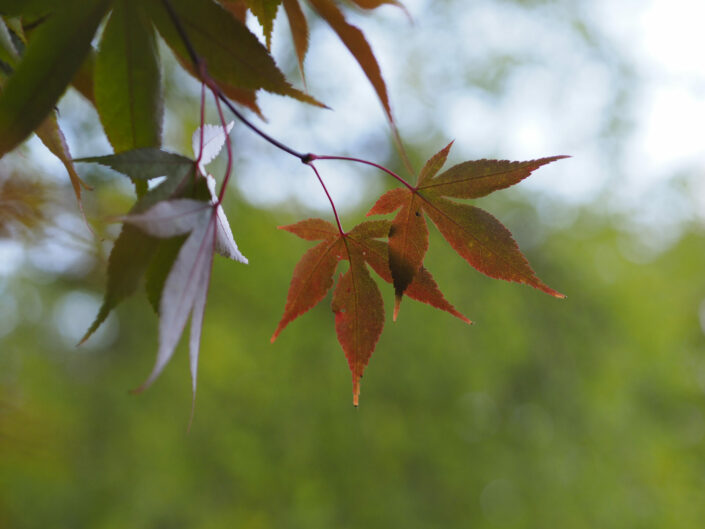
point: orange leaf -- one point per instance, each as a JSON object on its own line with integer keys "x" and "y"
{"x": 237, "y": 8}
{"x": 299, "y": 31}
{"x": 266, "y": 12}
{"x": 478, "y": 178}
{"x": 355, "y": 41}
{"x": 53, "y": 138}
{"x": 359, "y": 317}
{"x": 313, "y": 275}
{"x": 376, "y": 253}
{"x": 483, "y": 242}
{"x": 475, "y": 234}
{"x": 373, "y": 4}
{"x": 357, "y": 303}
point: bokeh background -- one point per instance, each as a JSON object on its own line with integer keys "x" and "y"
{"x": 587, "y": 412}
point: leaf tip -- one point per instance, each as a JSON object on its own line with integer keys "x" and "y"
{"x": 397, "y": 305}
{"x": 548, "y": 290}
{"x": 356, "y": 391}
{"x": 138, "y": 390}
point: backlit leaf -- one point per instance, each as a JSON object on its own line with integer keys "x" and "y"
{"x": 186, "y": 287}
{"x": 51, "y": 135}
{"x": 133, "y": 250}
{"x": 313, "y": 275}
{"x": 146, "y": 163}
{"x": 233, "y": 55}
{"x": 237, "y": 7}
{"x": 478, "y": 178}
{"x": 373, "y": 4}
{"x": 224, "y": 242}
{"x": 52, "y": 57}
{"x": 475, "y": 234}
{"x": 266, "y": 12}
{"x": 376, "y": 253}
{"x": 127, "y": 79}
{"x": 208, "y": 144}
{"x": 357, "y": 303}
{"x": 359, "y": 317}
{"x": 408, "y": 238}
{"x": 484, "y": 242}
{"x": 357, "y": 44}
{"x": 187, "y": 283}
{"x": 299, "y": 31}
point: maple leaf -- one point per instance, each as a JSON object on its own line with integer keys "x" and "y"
{"x": 376, "y": 253}
{"x": 235, "y": 57}
{"x": 136, "y": 253}
{"x": 266, "y": 12}
{"x": 237, "y": 7}
{"x": 358, "y": 46}
{"x": 53, "y": 138}
{"x": 186, "y": 287}
{"x": 357, "y": 302}
{"x": 476, "y": 235}
{"x": 299, "y": 31}
{"x": 208, "y": 142}
{"x": 374, "y": 4}
{"x": 133, "y": 250}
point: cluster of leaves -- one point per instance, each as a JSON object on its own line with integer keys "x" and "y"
{"x": 477, "y": 236}
{"x": 172, "y": 232}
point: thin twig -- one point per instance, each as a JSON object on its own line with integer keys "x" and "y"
{"x": 332, "y": 204}
{"x": 366, "y": 162}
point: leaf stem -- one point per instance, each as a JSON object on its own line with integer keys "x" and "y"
{"x": 228, "y": 146}
{"x": 366, "y": 162}
{"x": 305, "y": 158}
{"x": 203, "y": 119}
{"x": 208, "y": 80}
{"x": 332, "y": 204}
{"x": 256, "y": 130}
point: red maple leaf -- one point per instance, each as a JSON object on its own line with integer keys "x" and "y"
{"x": 357, "y": 302}
{"x": 476, "y": 235}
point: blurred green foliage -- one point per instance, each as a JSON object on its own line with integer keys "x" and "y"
{"x": 587, "y": 412}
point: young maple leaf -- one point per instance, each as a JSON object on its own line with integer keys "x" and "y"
{"x": 206, "y": 145}
{"x": 357, "y": 302}
{"x": 186, "y": 287}
{"x": 476, "y": 235}
{"x": 207, "y": 142}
